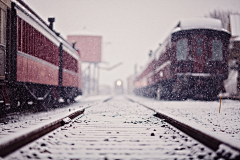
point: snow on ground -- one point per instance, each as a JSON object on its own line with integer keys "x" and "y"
{"x": 118, "y": 129}
{"x": 22, "y": 124}
{"x": 203, "y": 116}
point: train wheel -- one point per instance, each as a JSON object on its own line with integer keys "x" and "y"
{"x": 72, "y": 100}
{"x": 179, "y": 93}
{"x": 67, "y": 101}
{"x": 50, "y": 101}
{"x": 212, "y": 94}
{"x": 3, "y": 110}
{"x": 184, "y": 95}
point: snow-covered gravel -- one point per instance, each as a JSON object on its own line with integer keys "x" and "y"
{"x": 203, "y": 115}
{"x": 116, "y": 129}
{"x": 21, "y": 124}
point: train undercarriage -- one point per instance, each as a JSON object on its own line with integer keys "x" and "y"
{"x": 20, "y": 96}
{"x": 185, "y": 87}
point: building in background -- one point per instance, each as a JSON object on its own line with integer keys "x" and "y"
{"x": 90, "y": 47}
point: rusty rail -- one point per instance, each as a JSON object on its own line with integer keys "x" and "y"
{"x": 22, "y": 140}
{"x": 224, "y": 149}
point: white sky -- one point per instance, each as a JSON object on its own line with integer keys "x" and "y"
{"x": 130, "y": 28}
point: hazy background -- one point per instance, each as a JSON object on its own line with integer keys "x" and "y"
{"x": 130, "y": 28}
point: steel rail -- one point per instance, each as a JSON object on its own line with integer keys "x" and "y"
{"x": 223, "y": 148}
{"x": 16, "y": 143}
{"x": 22, "y": 140}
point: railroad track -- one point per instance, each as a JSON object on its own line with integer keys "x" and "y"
{"x": 121, "y": 128}
{"x": 19, "y": 141}
{"x": 22, "y": 140}
{"x": 223, "y": 149}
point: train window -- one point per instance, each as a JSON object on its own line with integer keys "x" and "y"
{"x": 217, "y": 50}
{"x": 182, "y": 49}
{"x": 3, "y": 26}
{"x": 199, "y": 49}
{"x": 199, "y": 41}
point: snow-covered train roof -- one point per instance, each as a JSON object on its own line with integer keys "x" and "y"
{"x": 199, "y": 23}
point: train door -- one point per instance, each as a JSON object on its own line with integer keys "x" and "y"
{"x": 3, "y": 23}
{"x": 199, "y": 53}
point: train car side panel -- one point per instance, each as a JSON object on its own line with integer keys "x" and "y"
{"x": 70, "y": 79}
{"x": 37, "y": 51}
{"x": 21, "y": 69}
{"x": 34, "y": 70}
{"x": 70, "y": 67}
{"x": 163, "y": 72}
{"x": 4, "y": 36}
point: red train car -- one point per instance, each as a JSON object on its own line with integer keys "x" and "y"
{"x": 191, "y": 63}
{"x": 39, "y": 65}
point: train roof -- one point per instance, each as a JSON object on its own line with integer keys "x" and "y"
{"x": 52, "y": 34}
{"x": 199, "y": 23}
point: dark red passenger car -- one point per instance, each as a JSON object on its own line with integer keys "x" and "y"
{"x": 191, "y": 63}
{"x": 38, "y": 65}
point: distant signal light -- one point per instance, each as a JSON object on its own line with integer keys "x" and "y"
{"x": 119, "y": 83}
